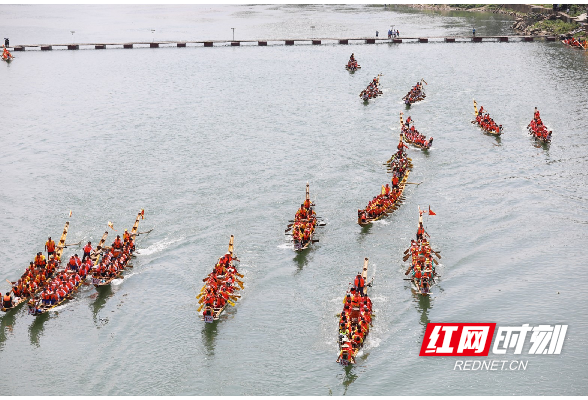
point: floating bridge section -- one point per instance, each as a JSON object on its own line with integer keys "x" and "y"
{"x": 274, "y": 42}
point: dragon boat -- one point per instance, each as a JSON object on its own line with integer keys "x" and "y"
{"x": 486, "y": 123}
{"x": 422, "y": 265}
{"x": 220, "y": 287}
{"x": 356, "y": 318}
{"x": 18, "y": 300}
{"x": 304, "y": 224}
{"x": 412, "y": 136}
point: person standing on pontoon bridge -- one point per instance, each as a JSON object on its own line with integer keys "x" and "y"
{"x": 474, "y": 32}
{"x": 6, "y": 42}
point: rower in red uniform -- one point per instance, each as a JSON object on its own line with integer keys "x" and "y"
{"x": 7, "y": 300}
{"x": 50, "y": 247}
{"x": 126, "y": 237}
{"x": 395, "y": 182}
{"x": 87, "y": 250}
{"x": 420, "y": 232}
{"x": 117, "y": 245}
{"x": 40, "y": 261}
{"x": 359, "y": 283}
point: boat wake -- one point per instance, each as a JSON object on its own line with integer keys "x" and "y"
{"x": 381, "y": 222}
{"x": 157, "y": 247}
{"x": 60, "y": 308}
{"x": 286, "y": 246}
{"x": 372, "y": 343}
{"x": 118, "y": 281}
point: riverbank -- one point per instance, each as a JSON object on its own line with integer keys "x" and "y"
{"x": 536, "y": 21}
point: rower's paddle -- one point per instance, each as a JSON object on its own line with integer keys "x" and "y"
{"x": 406, "y": 257}
{"x": 413, "y": 183}
{"x": 200, "y": 308}
{"x": 143, "y": 233}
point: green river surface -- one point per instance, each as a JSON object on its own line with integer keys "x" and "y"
{"x": 221, "y": 141}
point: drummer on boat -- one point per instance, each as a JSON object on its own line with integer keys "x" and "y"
{"x": 50, "y": 247}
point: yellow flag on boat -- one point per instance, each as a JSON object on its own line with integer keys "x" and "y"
{"x": 111, "y": 226}
{"x": 70, "y": 213}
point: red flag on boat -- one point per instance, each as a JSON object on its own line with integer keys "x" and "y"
{"x": 142, "y": 213}
{"x": 431, "y": 211}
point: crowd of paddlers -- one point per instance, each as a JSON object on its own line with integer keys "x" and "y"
{"x": 537, "y": 129}
{"x": 304, "y": 225}
{"x": 486, "y": 123}
{"x": 45, "y": 284}
{"x": 388, "y": 196}
{"x": 6, "y": 55}
{"x": 355, "y": 320}
{"x": 114, "y": 261}
{"x": 412, "y": 135}
{"x": 77, "y": 270}
{"x": 220, "y": 287}
{"x": 352, "y": 64}
{"x": 422, "y": 266}
{"x": 581, "y": 44}
{"x": 415, "y": 94}
{"x": 59, "y": 287}
{"x": 32, "y": 280}
{"x": 372, "y": 90}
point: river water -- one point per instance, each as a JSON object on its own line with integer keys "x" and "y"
{"x": 219, "y": 141}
